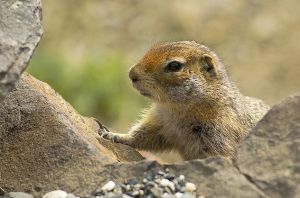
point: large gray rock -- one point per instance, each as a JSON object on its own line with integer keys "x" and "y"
{"x": 267, "y": 165}
{"x": 20, "y": 32}
{"x": 46, "y": 145}
{"x": 270, "y": 156}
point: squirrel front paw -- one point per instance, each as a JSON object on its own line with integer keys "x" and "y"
{"x": 105, "y": 133}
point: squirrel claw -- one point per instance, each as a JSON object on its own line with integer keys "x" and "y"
{"x": 102, "y": 127}
{"x": 105, "y": 133}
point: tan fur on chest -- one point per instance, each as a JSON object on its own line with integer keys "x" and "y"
{"x": 199, "y": 135}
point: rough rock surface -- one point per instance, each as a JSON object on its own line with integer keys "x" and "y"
{"x": 267, "y": 165}
{"x": 20, "y": 32}
{"x": 270, "y": 156}
{"x": 214, "y": 177}
{"x": 45, "y": 144}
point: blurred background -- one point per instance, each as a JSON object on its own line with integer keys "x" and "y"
{"x": 88, "y": 47}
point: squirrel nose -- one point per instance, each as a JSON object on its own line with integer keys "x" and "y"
{"x": 133, "y": 75}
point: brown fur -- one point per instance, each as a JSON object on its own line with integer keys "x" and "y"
{"x": 197, "y": 112}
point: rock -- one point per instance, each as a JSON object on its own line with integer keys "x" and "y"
{"x": 20, "y": 32}
{"x": 188, "y": 195}
{"x": 269, "y": 158}
{"x": 45, "y": 144}
{"x": 113, "y": 195}
{"x": 70, "y": 195}
{"x": 109, "y": 186}
{"x": 167, "y": 195}
{"x": 19, "y": 195}
{"x": 164, "y": 182}
{"x": 178, "y": 195}
{"x": 156, "y": 192}
{"x": 190, "y": 187}
{"x": 214, "y": 177}
{"x": 56, "y": 194}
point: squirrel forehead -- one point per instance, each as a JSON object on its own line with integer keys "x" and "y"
{"x": 161, "y": 53}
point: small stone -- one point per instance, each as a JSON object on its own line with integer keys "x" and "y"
{"x": 167, "y": 170}
{"x": 132, "y": 181}
{"x": 164, "y": 182}
{"x": 188, "y": 195}
{"x": 128, "y": 187}
{"x": 123, "y": 188}
{"x": 181, "y": 178}
{"x": 169, "y": 177}
{"x": 178, "y": 188}
{"x": 167, "y": 190}
{"x": 139, "y": 186}
{"x": 172, "y": 186}
{"x": 161, "y": 173}
{"x": 135, "y": 193}
{"x": 99, "y": 194}
{"x": 167, "y": 195}
{"x": 145, "y": 180}
{"x": 56, "y": 194}
{"x": 157, "y": 192}
{"x": 19, "y": 195}
{"x": 150, "y": 177}
{"x": 113, "y": 195}
{"x": 109, "y": 186}
{"x": 141, "y": 192}
{"x": 71, "y": 196}
{"x": 178, "y": 195}
{"x": 190, "y": 187}
{"x": 149, "y": 185}
{"x": 126, "y": 196}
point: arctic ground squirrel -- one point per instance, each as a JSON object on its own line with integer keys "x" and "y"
{"x": 197, "y": 110}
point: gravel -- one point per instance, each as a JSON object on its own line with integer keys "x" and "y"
{"x": 159, "y": 184}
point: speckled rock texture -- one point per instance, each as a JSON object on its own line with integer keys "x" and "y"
{"x": 270, "y": 156}
{"x": 20, "y": 32}
{"x": 45, "y": 144}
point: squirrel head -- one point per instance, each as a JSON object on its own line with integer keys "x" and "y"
{"x": 178, "y": 72}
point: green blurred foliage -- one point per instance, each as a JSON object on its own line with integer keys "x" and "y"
{"x": 97, "y": 86}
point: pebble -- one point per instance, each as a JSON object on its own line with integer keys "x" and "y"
{"x": 71, "y": 196}
{"x": 160, "y": 184}
{"x": 178, "y": 195}
{"x": 190, "y": 187}
{"x": 19, "y": 195}
{"x": 113, "y": 195}
{"x": 156, "y": 192}
{"x": 164, "y": 182}
{"x": 56, "y": 194}
{"x": 188, "y": 195}
{"x": 181, "y": 178}
{"x": 167, "y": 195}
{"x": 141, "y": 192}
{"x": 126, "y": 196}
{"x": 109, "y": 186}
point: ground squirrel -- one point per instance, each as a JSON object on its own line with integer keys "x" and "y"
{"x": 197, "y": 110}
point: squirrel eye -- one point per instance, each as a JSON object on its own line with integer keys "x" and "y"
{"x": 173, "y": 66}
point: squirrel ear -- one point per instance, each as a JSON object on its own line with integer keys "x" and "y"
{"x": 208, "y": 64}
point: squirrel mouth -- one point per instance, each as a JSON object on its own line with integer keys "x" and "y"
{"x": 145, "y": 94}
{"x": 141, "y": 90}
